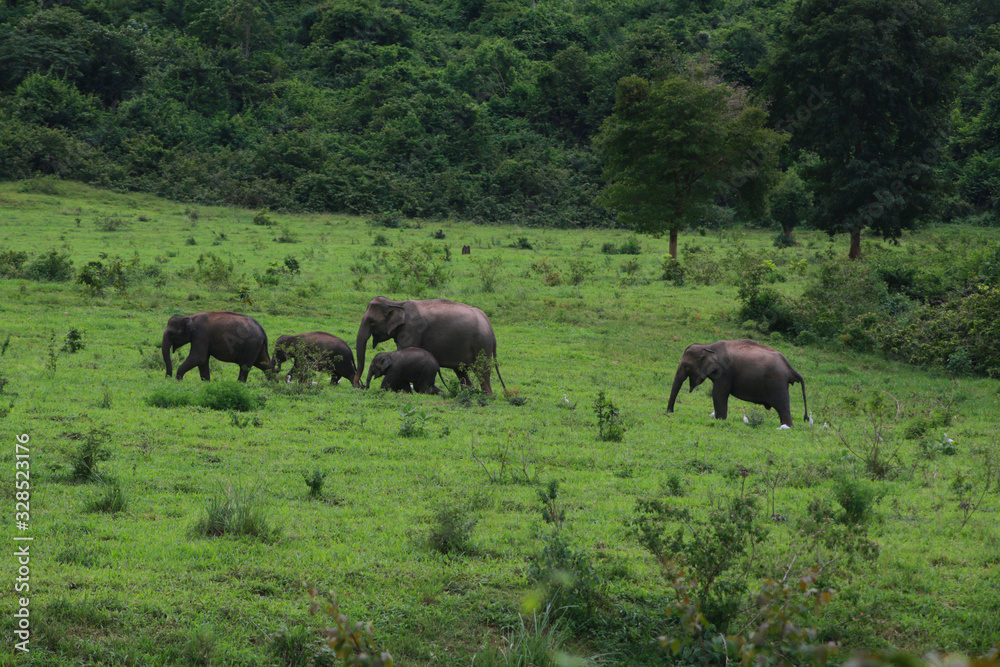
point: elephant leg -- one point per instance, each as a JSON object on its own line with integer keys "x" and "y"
{"x": 205, "y": 371}
{"x": 484, "y": 382}
{"x": 187, "y": 365}
{"x": 720, "y": 400}
{"x": 463, "y": 378}
{"x": 244, "y": 372}
{"x": 782, "y": 404}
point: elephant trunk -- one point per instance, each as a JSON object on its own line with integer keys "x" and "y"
{"x": 675, "y": 389}
{"x": 364, "y": 333}
{"x": 166, "y": 354}
{"x": 368, "y": 380}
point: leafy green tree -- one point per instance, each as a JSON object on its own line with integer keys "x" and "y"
{"x": 865, "y": 85}
{"x": 671, "y": 146}
{"x": 790, "y": 203}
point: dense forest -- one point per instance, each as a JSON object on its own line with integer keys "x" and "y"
{"x": 489, "y": 109}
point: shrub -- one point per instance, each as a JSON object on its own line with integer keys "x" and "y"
{"x": 314, "y": 481}
{"x": 568, "y": 582}
{"x": 549, "y": 272}
{"x": 228, "y": 395}
{"x": 112, "y": 223}
{"x": 51, "y": 266}
{"x": 416, "y": 269}
{"x": 293, "y": 646}
{"x": 673, "y": 270}
{"x": 630, "y": 246}
{"x": 234, "y": 510}
{"x": 857, "y": 498}
{"x": 92, "y": 448}
{"x": 170, "y": 396}
{"x": 214, "y": 271}
{"x": 579, "y": 269}
{"x": 73, "y": 342}
{"x": 12, "y": 263}
{"x": 610, "y": 424}
{"x": 451, "y": 529}
{"x": 263, "y": 218}
{"x": 349, "y": 644}
{"x": 717, "y": 551}
{"x": 414, "y": 423}
{"x": 489, "y": 271}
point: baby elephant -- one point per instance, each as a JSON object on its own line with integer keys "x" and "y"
{"x": 406, "y": 365}
{"x": 318, "y": 350}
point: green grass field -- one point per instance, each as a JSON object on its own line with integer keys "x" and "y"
{"x": 140, "y": 587}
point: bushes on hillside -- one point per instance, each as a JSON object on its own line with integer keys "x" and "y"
{"x": 926, "y": 308}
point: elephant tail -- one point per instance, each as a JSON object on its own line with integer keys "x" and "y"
{"x": 496, "y": 365}
{"x": 805, "y": 406}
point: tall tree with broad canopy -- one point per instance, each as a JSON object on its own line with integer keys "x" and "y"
{"x": 865, "y": 84}
{"x": 672, "y": 146}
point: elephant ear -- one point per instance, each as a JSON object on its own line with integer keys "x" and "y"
{"x": 395, "y": 317}
{"x": 710, "y": 367}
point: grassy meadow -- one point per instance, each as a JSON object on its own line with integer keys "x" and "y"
{"x": 428, "y": 519}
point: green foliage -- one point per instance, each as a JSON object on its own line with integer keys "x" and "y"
{"x": 416, "y": 269}
{"x": 489, "y": 271}
{"x": 670, "y": 146}
{"x": 74, "y": 340}
{"x": 718, "y": 550}
{"x": 610, "y": 423}
{"x": 214, "y": 271}
{"x": 451, "y": 529}
{"x": 228, "y": 395}
{"x": 414, "y": 423}
{"x": 673, "y": 271}
{"x": 237, "y": 511}
{"x": 878, "y": 169}
{"x": 352, "y": 644}
{"x": 51, "y": 266}
{"x": 567, "y": 581}
{"x": 314, "y": 481}
{"x": 91, "y": 448}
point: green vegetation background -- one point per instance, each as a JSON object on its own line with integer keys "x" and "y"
{"x": 478, "y": 109}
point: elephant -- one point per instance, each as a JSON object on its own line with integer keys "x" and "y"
{"x": 317, "y": 349}
{"x": 742, "y": 368}
{"x": 455, "y": 333}
{"x": 404, "y": 366}
{"x": 227, "y": 336}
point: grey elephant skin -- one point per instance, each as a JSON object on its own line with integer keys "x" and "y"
{"x": 455, "y": 333}
{"x": 404, "y": 366}
{"x": 318, "y": 349}
{"x": 227, "y": 336}
{"x": 741, "y": 368}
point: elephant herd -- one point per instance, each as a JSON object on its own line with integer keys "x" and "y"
{"x": 432, "y": 334}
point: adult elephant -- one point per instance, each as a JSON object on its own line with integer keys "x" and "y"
{"x": 318, "y": 350}
{"x": 457, "y": 334}
{"x": 403, "y": 367}
{"x": 227, "y": 336}
{"x": 741, "y": 368}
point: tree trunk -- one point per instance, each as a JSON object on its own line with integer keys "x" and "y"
{"x": 673, "y": 242}
{"x": 855, "y": 251}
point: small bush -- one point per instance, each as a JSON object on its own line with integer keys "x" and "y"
{"x": 522, "y": 243}
{"x": 314, "y": 481}
{"x": 214, "y": 271}
{"x": 416, "y": 269}
{"x": 112, "y": 223}
{"x": 92, "y": 449}
{"x": 673, "y": 270}
{"x": 170, "y": 396}
{"x": 346, "y": 643}
{"x": 12, "y": 263}
{"x": 227, "y": 395}
{"x": 414, "y": 423}
{"x": 489, "y": 271}
{"x": 451, "y": 529}
{"x": 381, "y": 241}
{"x": 857, "y": 498}
{"x": 630, "y": 246}
{"x": 73, "y": 342}
{"x": 610, "y": 424}
{"x": 263, "y": 218}
{"x": 579, "y": 269}
{"x": 389, "y": 219}
{"x": 51, "y": 266}
{"x": 234, "y": 510}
